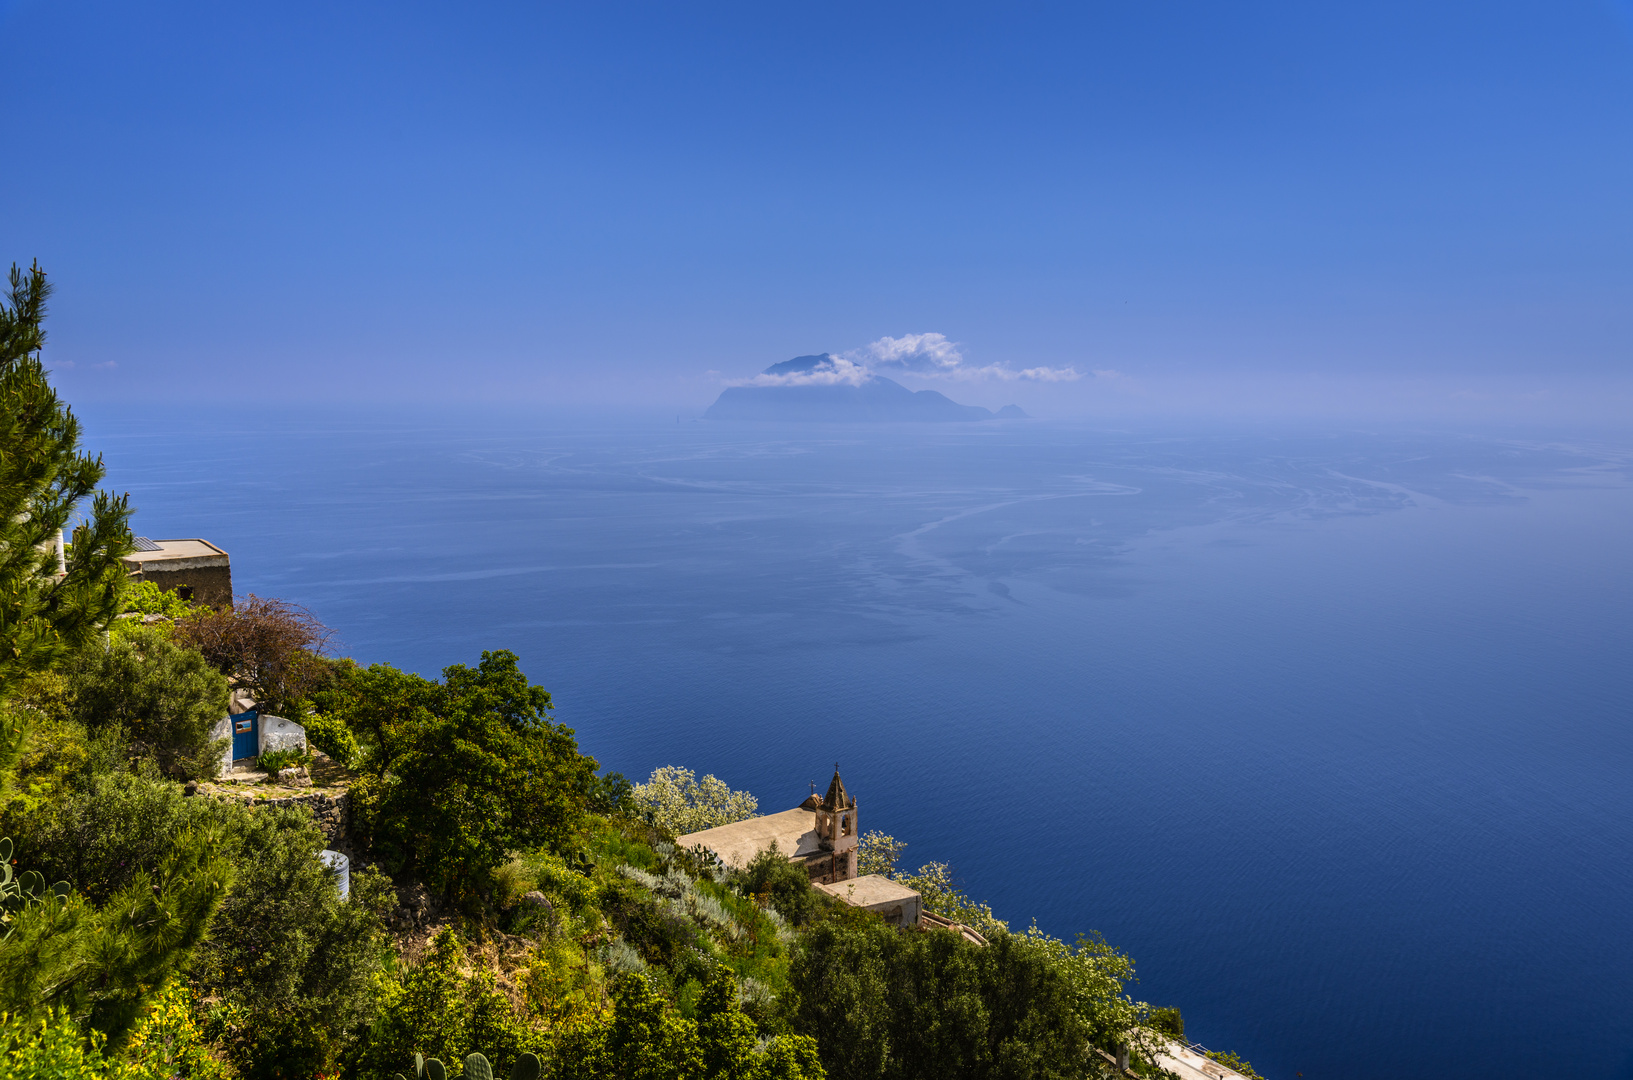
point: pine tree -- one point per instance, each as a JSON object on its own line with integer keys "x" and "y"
{"x": 49, "y": 605}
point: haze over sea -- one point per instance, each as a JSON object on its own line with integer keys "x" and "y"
{"x": 1329, "y": 730}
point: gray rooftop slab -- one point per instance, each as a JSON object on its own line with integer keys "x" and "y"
{"x": 868, "y": 891}
{"x": 793, "y": 830}
{"x": 194, "y": 551}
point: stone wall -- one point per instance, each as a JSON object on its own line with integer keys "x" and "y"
{"x": 205, "y": 584}
{"x": 331, "y": 812}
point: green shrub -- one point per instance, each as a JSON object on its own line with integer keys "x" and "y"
{"x": 1167, "y": 1022}
{"x": 298, "y": 964}
{"x": 782, "y": 885}
{"x": 165, "y": 699}
{"x": 52, "y": 1047}
{"x": 275, "y": 761}
{"x": 147, "y": 598}
{"x": 168, "y": 1040}
{"x": 657, "y": 932}
{"x": 437, "y": 1011}
{"x": 550, "y": 874}
{"x": 882, "y": 1003}
{"x": 100, "y": 838}
{"x": 1232, "y": 1061}
{"x": 331, "y": 735}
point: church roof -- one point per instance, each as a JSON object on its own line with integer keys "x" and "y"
{"x": 836, "y": 798}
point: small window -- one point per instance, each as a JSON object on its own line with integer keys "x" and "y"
{"x": 185, "y": 592}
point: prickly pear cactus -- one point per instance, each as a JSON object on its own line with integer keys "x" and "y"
{"x": 526, "y": 1068}
{"x": 19, "y": 891}
{"x": 477, "y": 1068}
{"x": 435, "y": 1071}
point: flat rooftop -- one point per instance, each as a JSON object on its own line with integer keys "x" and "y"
{"x": 167, "y": 551}
{"x": 872, "y": 890}
{"x": 793, "y": 830}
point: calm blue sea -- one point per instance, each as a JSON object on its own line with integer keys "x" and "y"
{"x": 1332, "y": 731}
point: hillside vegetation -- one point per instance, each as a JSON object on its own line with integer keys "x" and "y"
{"x": 507, "y": 898}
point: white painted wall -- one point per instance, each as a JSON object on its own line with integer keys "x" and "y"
{"x": 223, "y": 730}
{"x": 280, "y": 734}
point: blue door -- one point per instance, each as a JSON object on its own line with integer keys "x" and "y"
{"x": 245, "y": 736}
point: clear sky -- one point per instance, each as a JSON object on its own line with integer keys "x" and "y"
{"x": 1417, "y": 208}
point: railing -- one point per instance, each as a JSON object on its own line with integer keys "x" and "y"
{"x": 1209, "y": 1065}
{"x": 929, "y": 920}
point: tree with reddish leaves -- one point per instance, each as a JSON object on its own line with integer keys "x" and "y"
{"x": 271, "y": 648}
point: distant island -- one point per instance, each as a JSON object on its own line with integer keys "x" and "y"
{"x": 813, "y": 388}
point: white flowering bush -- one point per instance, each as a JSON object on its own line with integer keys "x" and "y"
{"x": 878, "y": 854}
{"x": 680, "y": 802}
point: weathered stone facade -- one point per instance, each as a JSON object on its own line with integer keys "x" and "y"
{"x": 192, "y": 568}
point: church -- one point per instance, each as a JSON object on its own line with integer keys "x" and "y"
{"x": 818, "y": 834}
{"x": 821, "y": 835}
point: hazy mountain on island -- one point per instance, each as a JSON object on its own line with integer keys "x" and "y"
{"x": 820, "y": 388}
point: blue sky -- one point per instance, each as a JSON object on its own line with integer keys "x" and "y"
{"x": 1410, "y": 208}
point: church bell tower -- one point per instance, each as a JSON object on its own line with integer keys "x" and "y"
{"x": 837, "y": 833}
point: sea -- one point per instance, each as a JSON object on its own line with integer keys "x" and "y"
{"x": 1330, "y": 728}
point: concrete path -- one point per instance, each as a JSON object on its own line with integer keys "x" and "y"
{"x": 1187, "y": 1064}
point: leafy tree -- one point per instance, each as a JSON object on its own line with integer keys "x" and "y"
{"x": 1096, "y": 974}
{"x": 374, "y": 703}
{"x": 476, "y": 769}
{"x": 1167, "y": 1022}
{"x": 47, "y": 610}
{"x": 882, "y": 1003}
{"x": 878, "y": 853}
{"x": 164, "y": 697}
{"x": 679, "y": 802}
{"x": 609, "y": 793}
{"x": 934, "y": 883}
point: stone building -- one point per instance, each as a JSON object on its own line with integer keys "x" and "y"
{"x": 192, "y": 569}
{"x": 819, "y": 834}
{"x": 892, "y": 901}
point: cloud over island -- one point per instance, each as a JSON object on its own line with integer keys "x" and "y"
{"x": 929, "y": 356}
